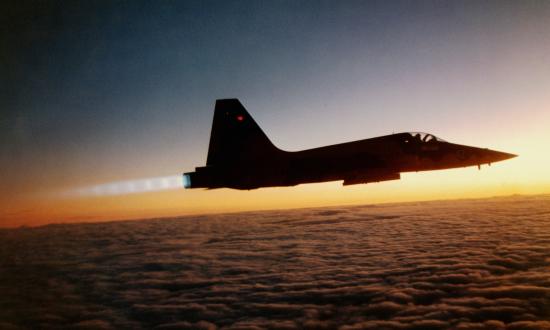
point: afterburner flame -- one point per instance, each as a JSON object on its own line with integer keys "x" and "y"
{"x": 131, "y": 186}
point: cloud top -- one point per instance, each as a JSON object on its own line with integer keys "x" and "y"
{"x": 473, "y": 264}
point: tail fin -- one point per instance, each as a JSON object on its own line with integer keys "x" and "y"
{"x": 235, "y": 135}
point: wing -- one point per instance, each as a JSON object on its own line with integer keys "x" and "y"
{"x": 371, "y": 176}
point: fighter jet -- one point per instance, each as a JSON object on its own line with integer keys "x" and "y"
{"x": 241, "y": 156}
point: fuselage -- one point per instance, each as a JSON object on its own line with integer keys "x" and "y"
{"x": 370, "y": 160}
{"x": 242, "y": 157}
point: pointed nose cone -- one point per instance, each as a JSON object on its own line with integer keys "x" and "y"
{"x": 505, "y": 155}
{"x": 491, "y": 156}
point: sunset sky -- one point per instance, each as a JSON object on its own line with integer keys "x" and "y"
{"x": 99, "y": 92}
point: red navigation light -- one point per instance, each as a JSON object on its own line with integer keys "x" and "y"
{"x": 240, "y": 117}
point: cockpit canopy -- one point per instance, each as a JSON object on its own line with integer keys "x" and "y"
{"x": 422, "y": 137}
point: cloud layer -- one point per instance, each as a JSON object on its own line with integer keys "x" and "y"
{"x": 481, "y": 264}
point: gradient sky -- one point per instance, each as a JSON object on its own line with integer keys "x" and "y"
{"x": 96, "y": 92}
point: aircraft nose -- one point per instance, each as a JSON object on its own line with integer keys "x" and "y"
{"x": 491, "y": 156}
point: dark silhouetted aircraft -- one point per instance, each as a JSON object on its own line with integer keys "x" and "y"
{"x": 240, "y": 156}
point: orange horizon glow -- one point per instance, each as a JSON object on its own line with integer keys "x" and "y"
{"x": 410, "y": 188}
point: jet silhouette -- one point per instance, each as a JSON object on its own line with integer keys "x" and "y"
{"x": 241, "y": 156}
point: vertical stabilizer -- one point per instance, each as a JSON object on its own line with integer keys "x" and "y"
{"x": 235, "y": 136}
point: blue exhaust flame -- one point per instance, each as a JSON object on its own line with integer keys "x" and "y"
{"x": 186, "y": 181}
